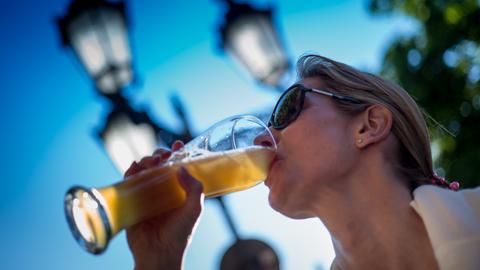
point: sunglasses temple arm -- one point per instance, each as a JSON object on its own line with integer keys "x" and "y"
{"x": 338, "y": 97}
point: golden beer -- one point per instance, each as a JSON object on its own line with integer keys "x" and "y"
{"x": 99, "y": 214}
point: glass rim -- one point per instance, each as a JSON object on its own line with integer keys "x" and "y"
{"x": 91, "y": 246}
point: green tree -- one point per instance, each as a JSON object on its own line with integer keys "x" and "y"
{"x": 439, "y": 66}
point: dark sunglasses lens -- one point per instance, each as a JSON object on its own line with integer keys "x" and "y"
{"x": 288, "y": 108}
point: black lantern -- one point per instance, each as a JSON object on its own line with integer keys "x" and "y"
{"x": 250, "y": 36}
{"x": 129, "y": 135}
{"x": 97, "y": 32}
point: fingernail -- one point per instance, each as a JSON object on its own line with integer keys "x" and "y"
{"x": 177, "y": 143}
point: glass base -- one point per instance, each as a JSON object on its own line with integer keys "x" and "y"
{"x": 87, "y": 219}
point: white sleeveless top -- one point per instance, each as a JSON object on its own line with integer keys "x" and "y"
{"x": 452, "y": 220}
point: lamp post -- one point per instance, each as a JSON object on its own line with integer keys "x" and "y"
{"x": 97, "y": 32}
{"x": 250, "y": 36}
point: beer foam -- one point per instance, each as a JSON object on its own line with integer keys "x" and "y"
{"x": 188, "y": 155}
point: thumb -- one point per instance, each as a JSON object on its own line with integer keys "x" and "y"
{"x": 194, "y": 190}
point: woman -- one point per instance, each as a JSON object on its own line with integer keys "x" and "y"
{"x": 354, "y": 151}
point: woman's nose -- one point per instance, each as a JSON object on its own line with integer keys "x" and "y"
{"x": 265, "y": 139}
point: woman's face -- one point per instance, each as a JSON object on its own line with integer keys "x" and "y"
{"x": 314, "y": 153}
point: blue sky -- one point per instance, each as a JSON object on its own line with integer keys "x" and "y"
{"x": 50, "y": 112}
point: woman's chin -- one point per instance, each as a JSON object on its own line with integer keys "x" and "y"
{"x": 274, "y": 203}
{"x": 283, "y": 208}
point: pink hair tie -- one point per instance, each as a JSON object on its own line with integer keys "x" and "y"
{"x": 440, "y": 181}
{"x": 454, "y": 186}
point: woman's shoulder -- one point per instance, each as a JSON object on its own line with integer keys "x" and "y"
{"x": 453, "y": 213}
{"x": 452, "y": 221}
{"x": 441, "y": 203}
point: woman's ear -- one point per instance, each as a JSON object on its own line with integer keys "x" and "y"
{"x": 375, "y": 125}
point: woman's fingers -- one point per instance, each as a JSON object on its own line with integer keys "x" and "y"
{"x": 145, "y": 163}
{"x": 177, "y": 145}
{"x": 194, "y": 190}
{"x": 133, "y": 169}
{"x": 187, "y": 216}
{"x": 150, "y": 161}
{"x": 162, "y": 152}
{"x": 155, "y": 159}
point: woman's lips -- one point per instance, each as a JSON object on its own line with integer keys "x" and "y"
{"x": 275, "y": 159}
{"x": 272, "y": 164}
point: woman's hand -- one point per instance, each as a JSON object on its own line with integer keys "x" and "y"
{"x": 160, "y": 242}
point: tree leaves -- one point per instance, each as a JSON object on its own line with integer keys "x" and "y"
{"x": 440, "y": 67}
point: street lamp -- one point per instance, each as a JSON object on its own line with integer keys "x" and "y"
{"x": 249, "y": 35}
{"x": 97, "y": 32}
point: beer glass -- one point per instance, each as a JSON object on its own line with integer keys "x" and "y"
{"x": 225, "y": 158}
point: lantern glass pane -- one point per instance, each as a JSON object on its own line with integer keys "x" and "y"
{"x": 247, "y": 45}
{"x": 116, "y": 32}
{"x": 87, "y": 44}
{"x": 119, "y": 151}
{"x": 254, "y": 43}
{"x": 126, "y": 142}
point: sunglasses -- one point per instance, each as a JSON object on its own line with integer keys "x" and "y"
{"x": 290, "y": 104}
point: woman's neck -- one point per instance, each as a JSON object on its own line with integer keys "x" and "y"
{"x": 372, "y": 224}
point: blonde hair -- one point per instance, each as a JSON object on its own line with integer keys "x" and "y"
{"x": 409, "y": 126}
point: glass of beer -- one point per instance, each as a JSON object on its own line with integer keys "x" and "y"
{"x": 225, "y": 158}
